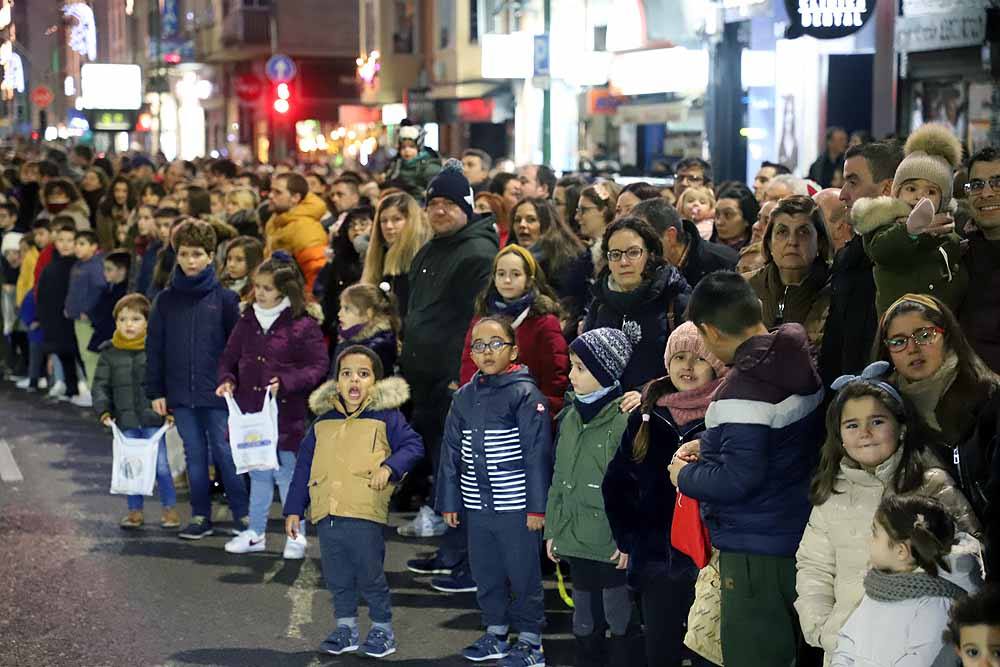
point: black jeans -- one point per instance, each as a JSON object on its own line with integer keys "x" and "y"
{"x": 665, "y": 601}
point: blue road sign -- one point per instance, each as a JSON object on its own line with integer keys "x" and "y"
{"x": 280, "y": 68}
{"x": 542, "y": 55}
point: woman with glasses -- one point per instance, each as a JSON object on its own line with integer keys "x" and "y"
{"x": 955, "y": 394}
{"x": 793, "y": 284}
{"x": 639, "y": 293}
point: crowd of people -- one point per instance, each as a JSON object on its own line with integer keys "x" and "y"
{"x": 744, "y": 420}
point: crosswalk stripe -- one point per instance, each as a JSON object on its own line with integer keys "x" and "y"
{"x": 9, "y": 472}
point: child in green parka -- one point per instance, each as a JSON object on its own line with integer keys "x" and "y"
{"x": 414, "y": 165}
{"x": 576, "y": 527}
{"x": 910, "y": 236}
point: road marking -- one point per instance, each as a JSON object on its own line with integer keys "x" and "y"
{"x": 301, "y": 594}
{"x": 9, "y": 472}
{"x": 273, "y": 572}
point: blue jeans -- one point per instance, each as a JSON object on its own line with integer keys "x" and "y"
{"x": 202, "y": 429}
{"x": 353, "y": 557}
{"x": 262, "y": 490}
{"x": 503, "y": 556}
{"x": 164, "y": 479}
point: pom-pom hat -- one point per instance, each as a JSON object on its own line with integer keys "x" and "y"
{"x": 452, "y": 184}
{"x": 605, "y": 352}
{"x": 932, "y": 153}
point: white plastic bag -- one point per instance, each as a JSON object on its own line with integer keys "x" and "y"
{"x": 253, "y": 437}
{"x": 134, "y": 462}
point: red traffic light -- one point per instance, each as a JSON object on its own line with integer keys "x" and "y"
{"x": 282, "y": 97}
{"x": 281, "y": 106}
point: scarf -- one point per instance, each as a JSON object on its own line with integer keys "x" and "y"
{"x": 350, "y": 332}
{"x": 897, "y": 587}
{"x": 590, "y": 405}
{"x": 130, "y": 344}
{"x": 688, "y": 406}
{"x": 517, "y": 310}
{"x": 927, "y": 393}
{"x": 267, "y": 316}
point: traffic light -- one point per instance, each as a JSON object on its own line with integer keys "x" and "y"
{"x": 282, "y": 98}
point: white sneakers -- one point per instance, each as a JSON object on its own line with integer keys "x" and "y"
{"x": 58, "y": 389}
{"x": 295, "y": 549}
{"x": 23, "y": 384}
{"x": 246, "y": 542}
{"x": 82, "y": 400}
{"x": 249, "y": 542}
{"x": 425, "y": 524}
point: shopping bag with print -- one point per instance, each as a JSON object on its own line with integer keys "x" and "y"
{"x": 688, "y": 532}
{"x": 253, "y": 436}
{"x": 133, "y": 469}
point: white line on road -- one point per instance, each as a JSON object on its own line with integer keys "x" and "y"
{"x": 9, "y": 472}
{"x": 301, "y": 594}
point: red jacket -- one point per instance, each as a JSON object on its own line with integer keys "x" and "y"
{"x": 44, "y": 257}
{"x": 542, "y": 348}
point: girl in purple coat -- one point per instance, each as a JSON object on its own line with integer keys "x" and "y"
{"x": 275, "y": 345}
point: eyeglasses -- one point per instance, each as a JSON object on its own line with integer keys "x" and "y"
{"x": 689, "y": 178}
{"x": 634, "y": 253}
{"x": 496, "y": 345}
{"x": 922, "y": 336}
{"x": 977, "y": 185}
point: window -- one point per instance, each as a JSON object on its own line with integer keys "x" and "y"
{"x": 601, "y": 38}
{"x": 473, "y": 21}
{"x": 445, "y": 23}
{"x": 404, "y": 15}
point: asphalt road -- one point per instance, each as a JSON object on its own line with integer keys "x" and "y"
{"x": 77, "y": 590}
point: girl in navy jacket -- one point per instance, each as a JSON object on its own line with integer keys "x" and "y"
{"x": 496, "y": 465}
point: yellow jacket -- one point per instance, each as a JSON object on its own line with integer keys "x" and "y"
{"x": 26, "y": 276}
{"x": 298, "y": 232}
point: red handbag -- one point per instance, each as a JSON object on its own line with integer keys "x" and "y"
{"x": 688, "y": 532}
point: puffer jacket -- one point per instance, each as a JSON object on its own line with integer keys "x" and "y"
{"x": 807, "y": 303}
{"x": 291, "y": 350}
{"x": 378, "y": 337}
{"x": 923, "y": 264}
{"x": 118, "y": 388}
{"x": 299, "y": 232}
{"x": 909, "y": 632}
{"x": 575, "y": 517}
{"x": 189, "y": 325}
{"x": 496, "y": 453}
{"x": 833, "y": 556}
{"x": 765, "y": 427}
{"x": 650, "y": 312}
{"x": 341, "y": 451}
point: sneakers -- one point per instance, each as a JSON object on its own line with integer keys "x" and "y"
{"x": 487, "y": 647}
{"x": 378, "y": 644}
{"x": 459, "y": 581}
{"x": 295, "y": 549}
{"x": 58, "y": 389}
{"x": 240, "y": 526}
{"x": 341, "y": 640}
{"x": 82, "y": 401}
{"x": 198, "y": 528}
{"x": 428, "y": 566}
{"x": 170, "y": 518}
{"x": 43, "y": 383}
{"x": 132, "y": 520}
{"x": 246, "y": 542}
{"x": 23, "y": 384}
{"x": 524, "y": 654}
{"x": 425, "y": 524}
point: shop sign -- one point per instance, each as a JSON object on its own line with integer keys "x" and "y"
{"x": 112, "y": 121}
{"x": 476, "y": 110}
{"x": 936, "y": 32}
{"x": 600, "y": 102}
{"x": 827, "y": 19}
{"x": 925, "y": 7}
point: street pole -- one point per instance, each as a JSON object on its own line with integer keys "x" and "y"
{"x": 547, "y": 96}
{"x": 159, "y": 81}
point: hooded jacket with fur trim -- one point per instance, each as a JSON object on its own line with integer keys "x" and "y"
{"x": 341, "y": 451}
{"x": 922, "y": 264}
{"x": 291, "y": 350}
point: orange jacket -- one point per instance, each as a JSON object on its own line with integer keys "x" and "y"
{"x": 298, "y": 232}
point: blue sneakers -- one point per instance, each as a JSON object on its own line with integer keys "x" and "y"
{"x": 378, "y": 644}
{"x": 459, "y": 581}
{"x": 341, "y": 640}
{"x": 487, "y": 647}
{"x": 199, "y": 527}
{"x": 524, "y": 654}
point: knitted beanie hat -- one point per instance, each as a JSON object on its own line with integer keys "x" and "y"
{"x": 605, "y": 352}
{"x": 686, "y": 338}
{"x": 11, "y": 241}
{"x": 452, "y": 184}
{"x": 932, "y": 153}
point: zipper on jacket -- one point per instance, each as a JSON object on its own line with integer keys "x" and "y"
{"x": 780, "y": 317}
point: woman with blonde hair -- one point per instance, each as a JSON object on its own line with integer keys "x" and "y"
{"x": 400, "y": 229}
{"x": 241, "y": 211}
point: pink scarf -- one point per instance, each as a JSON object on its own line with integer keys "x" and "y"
{"x": 688, "y": 406}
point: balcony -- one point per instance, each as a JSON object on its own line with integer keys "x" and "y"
{"x": 247, "y": 28}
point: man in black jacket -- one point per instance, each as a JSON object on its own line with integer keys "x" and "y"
{"x": 852, "y": 322}
{"x": 682, "y": 245}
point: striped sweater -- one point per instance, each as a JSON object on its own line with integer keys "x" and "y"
{"x": 497, "y": 449}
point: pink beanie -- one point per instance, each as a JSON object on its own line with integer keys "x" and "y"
{"x": 686, "y": 338}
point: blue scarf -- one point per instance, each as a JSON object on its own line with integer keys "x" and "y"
{"x": 590, "y": 405}
{"x": 511, "y": 309}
